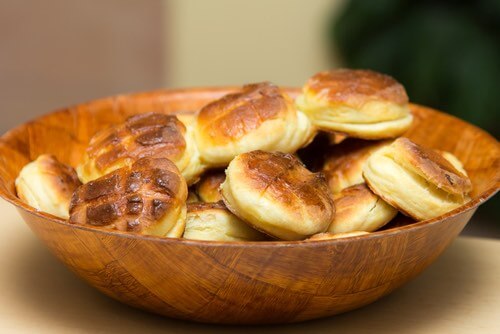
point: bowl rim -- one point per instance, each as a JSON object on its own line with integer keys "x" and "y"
{"x": 14, "y": 200}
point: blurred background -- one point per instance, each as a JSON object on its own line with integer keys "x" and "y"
{"x": 55, "y": 53}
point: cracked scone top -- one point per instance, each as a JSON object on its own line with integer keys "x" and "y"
{"x": 140, "y": 136}
{"x": 276, "y": 194}
{"x": 258, "y": 116}
{"x": 148, "y": 197}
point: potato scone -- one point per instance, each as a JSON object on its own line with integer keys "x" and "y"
{"x": 47, "y": 185}
{"x": 258, "y": 116}
{"x": 149, "y": 197}
{"x": 359, "y": 209}
{"x": 360, "y": 103}
{"x": 419, "y": 182}
{"x": 213, "y": 221}
{"x": 276, "y": 194}
{"x": 140, "y": 136}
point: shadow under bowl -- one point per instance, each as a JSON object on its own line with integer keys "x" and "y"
{"x": 241, "y": 282}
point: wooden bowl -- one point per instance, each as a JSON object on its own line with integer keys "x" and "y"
{"x": 241, "y": 282}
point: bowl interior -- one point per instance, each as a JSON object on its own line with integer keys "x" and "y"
{"x": 65, "y": 133}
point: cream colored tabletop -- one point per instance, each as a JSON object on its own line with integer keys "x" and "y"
{"x": 460, "y": 293}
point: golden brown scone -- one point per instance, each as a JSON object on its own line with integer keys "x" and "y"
{"x": 359, "y": 209}
{"x": 359, "y": 103}
{"x": 276, "y": 194}
{"x": 343, "y": 166}
{"x": 329, "y": 236}
{"x": 148, "y": 197}
{"x": 417, "y": 181}
{"x": 144, "y": 135}
{"x": 213, "y": 221}
{"x": 47, "y": 185}
{"x": 259, "y": 116}
{"x": 208, "y": 187}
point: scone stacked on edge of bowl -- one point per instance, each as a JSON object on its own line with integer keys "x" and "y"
{"x": 359, "y": 103}
{"x": 47, "y": 185}
{"x": 419, "y": 182}
{"x": 237, "y": 156}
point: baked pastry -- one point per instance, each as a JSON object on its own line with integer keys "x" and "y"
{"x": 259, "y": 116}
{"x": 212, "y": 221}
{"x": 207, "y": 188}
{"x": 329, "y": 236}
{"x": 276, "y": 194}
{"x": 343, "y": 164}
{"x": 359, "y": 103}
{"x": 417, "y": 181}
{"x": 47, "y": 185}
{"x": 148, "y": 197}
{"x": 357, "y": 208}
{"x": 144, "y": 135}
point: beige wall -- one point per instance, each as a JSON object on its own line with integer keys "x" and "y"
{"x": 221, "y": 42}
{"x": 55, "y": 53}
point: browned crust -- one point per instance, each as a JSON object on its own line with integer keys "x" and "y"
{"x": 234, "y": 115}
{"x": 144, "y": 135}
{"x": 356, "y": 87}
{"x": 346, "y": 160}
{"x": 202, "y": 206}
{"x": 283, "y": 177}
{"x": 63, "y": 180}
{"x": 130, "y": 198}
{"x": 433, "y": 167}
{"x": 208, "y": 187}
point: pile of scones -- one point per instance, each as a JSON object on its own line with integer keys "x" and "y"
{"x": 229, "y": 172}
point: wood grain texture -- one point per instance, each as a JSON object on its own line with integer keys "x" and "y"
{"x": 244, "y": 283}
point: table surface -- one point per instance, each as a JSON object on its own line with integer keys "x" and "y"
{"x": 459, "y": 293}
